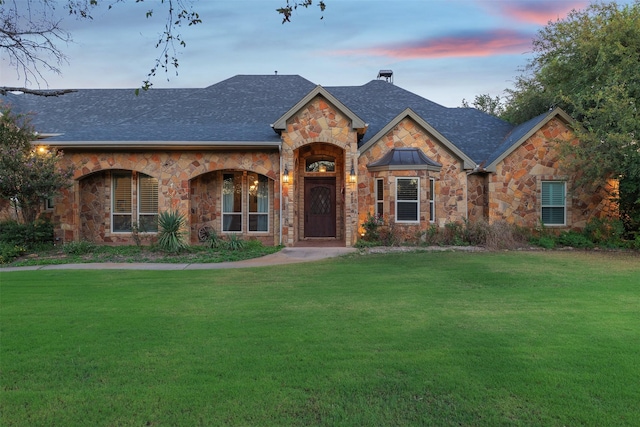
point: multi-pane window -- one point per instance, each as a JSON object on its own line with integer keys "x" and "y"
{"x": 147, "y": 203}
{"x": 553, "y": 203}
{"x": 379, "y": 198}
{"x": 407, "y": 200}
{"x": 232, "y": 202}
{"x": 122, "y": 202}
{"x": 432, "y": 199}
{"x": 245, "y": 202}
{"x": 258, "y": 202}
{"x": 121, "y": 209}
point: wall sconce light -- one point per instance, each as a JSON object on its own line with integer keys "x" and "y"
{"x": 285, "y": 175}
{"x": 352, "y": 174}
{"x": 42, "y": 149}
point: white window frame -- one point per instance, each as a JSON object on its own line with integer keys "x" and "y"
{"x": 115, "y": 175}
{"x": 251, "y": 213}
{"x": 140, "y": 213}
{"x": 432, "y": 200}
{"x": 553, "y": 205}
{"x": 379, "y": 191}
{"x": 232, "y": 213}
{"x": 417, "y": 201}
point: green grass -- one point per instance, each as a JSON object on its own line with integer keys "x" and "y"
{"x": 443, "y": 339}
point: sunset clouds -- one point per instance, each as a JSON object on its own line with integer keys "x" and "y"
{"x": 466, "y": 44}
{"x": 536, "y": 11}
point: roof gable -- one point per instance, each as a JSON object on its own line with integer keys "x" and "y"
{"x": 521, "y": 133}
{"x": 468, "y": 163}
{"x": 356, "y": 122}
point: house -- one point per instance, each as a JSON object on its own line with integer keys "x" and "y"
{"x": 283, "y": 160}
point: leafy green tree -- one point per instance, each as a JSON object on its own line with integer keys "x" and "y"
{"x": 486, "y": 103}
{"x": 589, "y": 65}
{"x": 28, "y": 176}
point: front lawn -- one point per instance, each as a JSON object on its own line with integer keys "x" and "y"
{"x": 447, "y": 338}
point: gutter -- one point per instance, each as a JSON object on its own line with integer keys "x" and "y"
{"x": 175, "y": 145}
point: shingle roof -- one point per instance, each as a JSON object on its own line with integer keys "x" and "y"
{"x": 243, "y": 108}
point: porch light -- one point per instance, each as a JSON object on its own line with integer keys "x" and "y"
{"x": 352, "y": 174}
{"x": 285, "y": 175}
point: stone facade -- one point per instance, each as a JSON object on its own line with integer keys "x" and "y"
{"x": 450, "y": 182}
{"x": 452, "y": 188}
{"x": 514, "y": 191}
{"x": 319, "y": 129}
{"x": 188, "y": 181}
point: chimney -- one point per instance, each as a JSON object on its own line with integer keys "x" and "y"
{"x": 387, "y": 75}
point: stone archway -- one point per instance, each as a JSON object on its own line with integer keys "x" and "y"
{"x": 320, "y": 192}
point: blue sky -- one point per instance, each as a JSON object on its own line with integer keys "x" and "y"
{"x": 443, "y": 50}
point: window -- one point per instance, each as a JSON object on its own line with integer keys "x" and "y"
{"x": 407, "y": 200}
{"x": 147, "y": 203}
{"x": 432, "y": 200}
{"x": 320, "y": 165}
{"x": 258, "y": 202}
{"x": 235, "y": 191}
{"x": 49, "y": 204}
{"x": 553, "y": 203}
{"x": 232, "y": 202}
{"x": 379, "y": 198}
{"x": 122, "y": 202}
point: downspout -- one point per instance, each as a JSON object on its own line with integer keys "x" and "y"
{"x": 280, "y": 176}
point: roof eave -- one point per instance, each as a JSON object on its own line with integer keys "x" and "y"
{"x": 167, "y": 145}
{"x": 403, "y": 168}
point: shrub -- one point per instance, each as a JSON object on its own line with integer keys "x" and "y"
{"x": 604, "y": 231}
{"x": 81, "y": 247}
{"x": 372, "y": 227}
{"x": 544, "y": 241}
{"x": 574, "y": 240}
{"x": 36, "y": 232}
{"x": 235, "y": 242}
{"x": 170, "y": 231}
{"x": 213, "y": 241}
{"x": 9, "y": 251}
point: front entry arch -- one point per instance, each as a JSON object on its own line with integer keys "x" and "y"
{"x": 320, "y": 207}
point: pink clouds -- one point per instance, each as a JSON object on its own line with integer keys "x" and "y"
{"x": 497, "y": 42}
{"x": 536, "y": 11}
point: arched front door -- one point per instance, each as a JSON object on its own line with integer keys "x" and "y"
{"x": 320, "y": 207}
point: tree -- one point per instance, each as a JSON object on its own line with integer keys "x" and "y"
{"x": 31, "y": 34}
{"x": 487, "y": 104}
{"x": 589, "y": 65}
{"x": 27, "y": 176}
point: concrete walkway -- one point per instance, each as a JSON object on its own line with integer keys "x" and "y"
{"x": 285, "y": 256}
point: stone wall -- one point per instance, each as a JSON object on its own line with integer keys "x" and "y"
{"x": 319, "y": 122}
{"x": 515, "y": 189}
{"x": 477, "y": 197}
{"x": 450, "y": 181}
{"x": 82, "y": 211}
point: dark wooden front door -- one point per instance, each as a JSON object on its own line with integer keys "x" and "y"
{"x": 320, "y": 207}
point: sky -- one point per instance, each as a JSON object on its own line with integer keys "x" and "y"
{"x": 443, "y": 50}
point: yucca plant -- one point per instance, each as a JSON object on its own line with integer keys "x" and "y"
{"x": 235, "y": 242}
{"x": 170, "y": 231}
